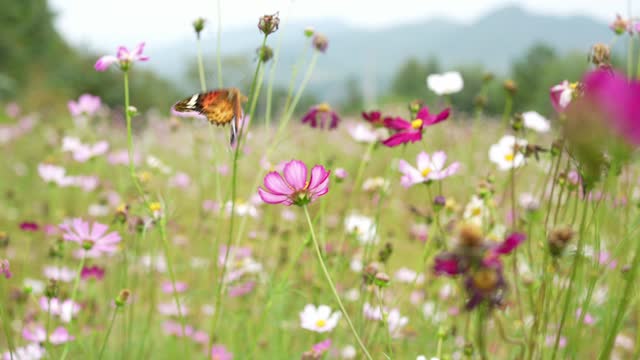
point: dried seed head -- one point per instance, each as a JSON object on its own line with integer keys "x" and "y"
{"x": 559, "y": 239}
{"x": 471, "y": 235}
{"x": 600, "y": 55}
{"x": 268, "y": 24}
{"x": 510, "y": 87}
{"x": 122, "y": 298}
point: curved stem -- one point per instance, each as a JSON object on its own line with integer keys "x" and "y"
{"x": 106, "y": 337}
{"x": 203, "y": 85}
{"x": 332, "y": 286}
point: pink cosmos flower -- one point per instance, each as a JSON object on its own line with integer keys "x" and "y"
{"x": 429, "y": 168}
{"x": 340, "y": 173}
{"x": 121, "y": 157}
{"x": 51, "y": 173}
{"x": 95, "y": 272}
{"x": 29, "y": 226}
{"x": 30, "y": 352}
{"x": 561, "y": 95}
{"x": 618, "y": 101}
{"x": 94, "y": 237}
{"x": 620, "y": 25}
{"x": 410, "y": 132}
{"x": 242, "y": 289}
{"x": 12, "y": 110}
{"x": 320, "y": 115}
{"x": 219, "y": 352}
{"x": 180, "y": 180}
{"x": 294, "y": 188}
{"x": 124, "y": 58}
{"x": 167, "y": 287}
{"x": 321, "y": 347}
{"x": 38, "y": 334}
{"x": 87, "y": 104}
{"x": 5, "y": 268}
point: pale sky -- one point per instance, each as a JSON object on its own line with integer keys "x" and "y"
{"x": 104, "y": 24}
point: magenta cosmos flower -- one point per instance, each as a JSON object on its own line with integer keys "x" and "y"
{"x": 124, "y": 58}
{"x": 411, "y": 131}
{"x": 87, "y": 104}
{"x": 321, "y": 116}
{"x": 617, "y": 99}
{"x": 429, "y": 168}
{"x": 294, "y": 188}
{"x": 93, "y": 238}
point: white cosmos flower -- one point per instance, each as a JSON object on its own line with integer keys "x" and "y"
{"x": 507, "y": 152}
{"x": 396, "y": 323}
{"x": 364, "y": 133}
{"x": 29, "y": 352}
{"x": 406, "y": 275}
{"x": 429, "y": 168}
{"x": 363, "y": 227}
{"x": 319, "y": 319}
{"x": 561, "y": 95}
{"x": 348, "y": 352}
{"x": 536, "y": 122}
{"x": 475, "y": 211}
{"x": 375, "y": 184}
{"x": 156, "y": 163}
{"x": 445, "y": 84}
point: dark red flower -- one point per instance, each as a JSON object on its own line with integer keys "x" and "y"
{"x": 29, "y": 226}
{"x": 95, "y": 272}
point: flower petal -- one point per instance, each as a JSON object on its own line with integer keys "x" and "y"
{"x": 104, "y": 62}
{"x": 397, "y": 123}
{"x": 402, "y": 138}
{"x": 270, "y": 198}
{"x": 295, "y": 172}
{"x": 318, "y": 175}
{"x": 274, "y": 183}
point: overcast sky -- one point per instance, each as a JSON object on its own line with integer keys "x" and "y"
{"x": 103, "y": 24}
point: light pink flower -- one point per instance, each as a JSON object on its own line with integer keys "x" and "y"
{"x": 62, "y": 273}
{"x": 294, "y": 188}
{"x": 85, "y": 234}
{"x": 12, "y": 110}
{"x": 180, "y": 180}
{"x": 64, "y": 309}
{"x": 5, "y": 268}
{"x": 340, "y": 173}
{"x": 121, "y": 157}
{"x": 124, "y": 58}
{"x": 37, "y": 333}
{"x": 429, "y": 168}
{"x": 167, "y": 287}
{"x": 242, "y": 289}
{"x": 87, "y": 104}
{"x": 51, "y": 173}
{"x": 219, "y": 352}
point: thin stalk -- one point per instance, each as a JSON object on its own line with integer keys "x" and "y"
{"x": 7, "y": 331}
{"x": 73, "y": 297}
{"x": 106, "y": 337}
{"x": 574, "y": 271}
{"x": 332, "y": 286}
{"x": 218, "y": 37}
{"x": 127, "y": 113}
{"x": 203, "y": 85}
{"x": 627, "y": 295}
{"x": 508, "y": 106}
{"x": 234, "y": 191}
{"x": 385, "y": 322}
{"x": 480, "y": 332}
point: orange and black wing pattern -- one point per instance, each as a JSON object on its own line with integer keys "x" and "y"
{"x": 220, "y": 107}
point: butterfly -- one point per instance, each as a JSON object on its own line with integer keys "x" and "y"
{"x": 220, "y": 107}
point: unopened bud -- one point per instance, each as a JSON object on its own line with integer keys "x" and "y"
{"x": 382, "y": 280}
{"x": 517, "y": 122}
{"x": 122, "y": 298}
{"x": 439, "y": 202}
{"x": 559, "y": 239}
{"x": 265, "y": 53}
{"x": 309, "y": 31}
{"x": 320, "y": 42}
{"x": 510, "y": 87}
{"x": 198, "y": 25}
{"x": 487, "y": 77}
{"x": 480, "y": 101}
{"x": 471, "y": 235}
{"x": 4, "y": 239}
{"x": 132, "y": 110}
{"x": 52, "y": 289}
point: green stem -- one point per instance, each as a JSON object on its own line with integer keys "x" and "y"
{"x": 203, "y": 85}
{"x": 574, "y": 271}
{"x": 73, "y": 298}
{"x": 627, "y": 295}
{"x": 7, "y": 331}
{"x": 630, "y": 58}
{"x": 234, "y": 191}
{"x": 385, "y": 322}
{"x": 480, "y": 331}
{"x": 172, "y": 274}
{"x": 218, "y": 37}
{"x": 127, "y": 113}
{"x": 106, "y": 337}
{"x": 508, "y": 105}
{"x": 332, "y": 286}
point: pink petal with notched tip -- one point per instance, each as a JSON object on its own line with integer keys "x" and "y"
{"x": 295, "y": 172}
{"x": 275, "y": 184}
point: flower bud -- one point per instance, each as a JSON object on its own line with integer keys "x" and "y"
{"x": 517, "y": 122}
{"x": 309, "y": 31}
{"x": 487, "y": 77}
{"x": 480, "y": 101}
{"x": 122, "y": 298}
{"x": 369, "y": 273}
{"x": 132, "y": 110}
{"x": 439, "y": 202}
{"x": 559, "y": 239}
{"x": 510, "y": 87}
{"x": 265, "y": 53}
{"x": 320, "y": 42}
{"x": 600, "y": 55}
{"x": 268, "y": 24}
{"x": 198, "y": 25}
{"x": 52, "y": 289}
{"x": 382, "y": 280}
{"x": 385, "y": 253}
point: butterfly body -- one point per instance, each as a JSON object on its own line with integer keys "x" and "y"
{"x": 220, "y": 107}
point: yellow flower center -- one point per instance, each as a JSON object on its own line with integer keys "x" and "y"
{"x": 321, "y": 323}
{"x": 416, "y": 124}
{"x": 426, "y": 172}
{"x": 144, "y": 176}
{"x": 155, "y": 206}
{"x": 573, "y": 85}
{"x": 324, "y": 107}
{"x": 485, "y": 279}
{"x": 476, "y": 211}
{"x": 509, "y": 157}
